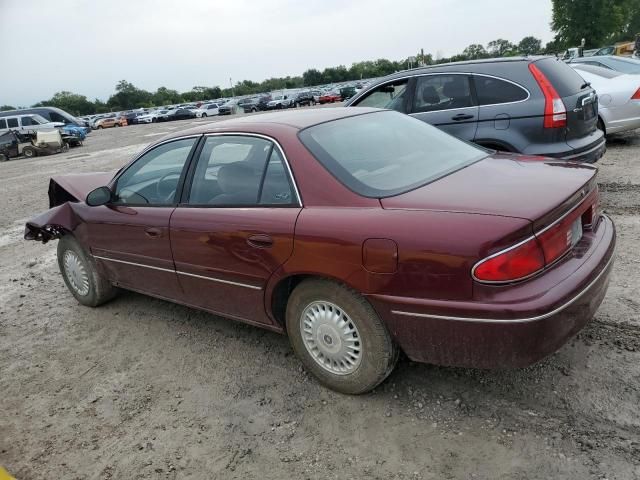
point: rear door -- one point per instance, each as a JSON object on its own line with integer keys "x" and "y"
{"x": 503, "y": 112}
{"x": 234, "y": 226}
{"x": 579, "y": 99}
{"x": 444, "y": 100}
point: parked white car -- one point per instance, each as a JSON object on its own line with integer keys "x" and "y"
{"x": 618, "y": 97}
{"x": 27, "y": 122}
{"x": 151, "y": 117}
{"x": 207, "y": 110}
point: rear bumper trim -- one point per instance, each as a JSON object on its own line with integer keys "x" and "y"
{"x": 515, "y": 320}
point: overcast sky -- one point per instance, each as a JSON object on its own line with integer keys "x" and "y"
{"x": 87, "y": 46}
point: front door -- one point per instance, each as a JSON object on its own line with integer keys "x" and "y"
{"x": 445, "y": 101}
{"x": 130, "y": 237}
{"x": 234, "y": 226}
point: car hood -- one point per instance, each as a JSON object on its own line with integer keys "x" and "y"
{"x": 77, "y": 185}
{"x": 502, "y": 184}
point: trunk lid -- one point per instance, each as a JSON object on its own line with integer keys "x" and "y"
{"x": 506, "y": 185}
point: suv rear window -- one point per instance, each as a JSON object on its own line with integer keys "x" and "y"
{"x": 563, "y": 78}
{"x": 385, "y": 153}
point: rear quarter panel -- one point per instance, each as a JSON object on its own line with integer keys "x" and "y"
{"x": 436, "y": 249}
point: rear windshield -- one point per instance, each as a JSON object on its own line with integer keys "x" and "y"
{"x": 601, "y": 72}
{"x": 624, "y": 65}
{"x": 385, "y": 153}
{"x": 563, "y": 78}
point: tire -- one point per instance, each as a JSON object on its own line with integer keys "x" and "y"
{"x": 601, "y": 126}
{"x": 116, "y": 125}
{"x": 204, "y": 115}
{"x": 3, "y": 157}
{"x": 100, "y": 127}
{"x": 72, "y": 258}
{"x": 372, "y": 353}
{"x": 29, "y": 152}
{"x": 154, "y": 120}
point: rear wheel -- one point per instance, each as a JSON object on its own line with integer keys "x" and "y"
{"x": 339, "y": 336}
{"x": 29, "y": 152}
{"x": 3, "y": 157}
{"x": 100, "y": 127}
{"x": 81, "y": 274}
{"x": 204, "y": 115}
{"x": 601, "y": 125}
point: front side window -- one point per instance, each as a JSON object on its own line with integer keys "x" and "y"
{"x": 153, "y": 178}
{"x": 382, "y": 154}
{"x": 240, "y": 171}
{"x": 391, "y": 96}
{"x": 442, "y": 92}
{"x": 27, "y": 121}
{"x": 491, "y": 90}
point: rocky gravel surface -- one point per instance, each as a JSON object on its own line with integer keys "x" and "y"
{"x": 145, "y": 389}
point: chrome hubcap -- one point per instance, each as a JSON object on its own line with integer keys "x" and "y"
{"x": 76, "y": 273}
{"x": 331, "y": 338}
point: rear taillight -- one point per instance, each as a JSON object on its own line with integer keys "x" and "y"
{"x": 636, "y": 96}
{"x": 514, "y": 264}
{"x": 544, "y": 248}
{"x": 555, "y": 113}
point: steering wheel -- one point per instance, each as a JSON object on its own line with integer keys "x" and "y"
{"x": 166, "y": 187}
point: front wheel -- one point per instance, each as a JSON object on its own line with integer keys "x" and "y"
{"x": 339, "y": 337}
{"x": 81, "y": 274}
{"x": 204, "y": 115}
{"x": 3, "y": 157}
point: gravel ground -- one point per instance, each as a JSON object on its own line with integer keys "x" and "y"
{"x": 142, "y": 388}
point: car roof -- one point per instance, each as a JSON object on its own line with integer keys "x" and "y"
{"x": 299, "y": 120}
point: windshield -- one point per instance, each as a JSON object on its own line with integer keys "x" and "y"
{"x": 385, "y": 153}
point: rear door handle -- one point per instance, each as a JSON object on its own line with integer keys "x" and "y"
{"x": 462, "y": 116}
{"x": 153, "y": 232}
{"x": 260, "y": 240}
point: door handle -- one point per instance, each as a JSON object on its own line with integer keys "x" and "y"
{"x": 153, "y": 232}
{"x": 462, "y": 116}
{"x": 260, "y": 240}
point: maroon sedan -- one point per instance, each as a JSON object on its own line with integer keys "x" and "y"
{"x": 357, "y": 232}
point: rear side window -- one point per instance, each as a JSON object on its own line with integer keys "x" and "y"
{"x": 492, "y": 90}
{"x": 3, "y": 123}
{"x": 563, "y": 78}
{"x": 12, "y": 122}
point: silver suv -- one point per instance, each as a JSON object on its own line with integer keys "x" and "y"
{"x": 529, "y": 105}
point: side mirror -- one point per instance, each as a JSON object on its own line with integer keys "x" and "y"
{"x": 99, "y": 196}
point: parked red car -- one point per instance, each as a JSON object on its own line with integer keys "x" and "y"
{"x": 330, "y": 97}
{"x": 357, "y": 232}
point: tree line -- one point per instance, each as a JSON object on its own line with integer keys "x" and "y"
{"x": 127, "y": 96}
{"x": 599, "y": 22}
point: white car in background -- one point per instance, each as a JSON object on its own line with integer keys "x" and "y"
{"x": 207, "y": 110}
{"x": 151, "y": 117}
{"x": 618, "y": 97}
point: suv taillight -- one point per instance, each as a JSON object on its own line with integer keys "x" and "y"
{"x": 636, "y": 96}
{"x": 555, "y": 113}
